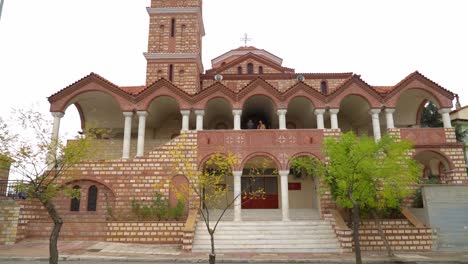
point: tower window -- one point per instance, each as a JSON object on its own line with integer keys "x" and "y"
{"x": 239, "y": 70}
{"x": 250, "y": 68}
{"x": 171, "y": 72}
{"x": 173, "y": 27}
{"x": 323, "y": 87}
{"x": 260, "y": 70}
{"x": 92, "y": 198}
{"x": 75, "y": 202}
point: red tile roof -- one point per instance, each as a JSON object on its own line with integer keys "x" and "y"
{"x": 133, "y": 90}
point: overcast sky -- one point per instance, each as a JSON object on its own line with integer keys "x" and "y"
{"x": 46, "y": 45}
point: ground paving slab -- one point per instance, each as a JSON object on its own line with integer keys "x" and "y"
{"x": 29, "y": 250}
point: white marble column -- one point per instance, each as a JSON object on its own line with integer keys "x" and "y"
{"x": 319, "y": 114}
{"x": 141, "y": 132}
{"x": 334, "y": 118}
{"x": 237, "y": 194}
{"x": 375, "y": 123}
{"x": 389, "y": 117}
{"x": 56, "y": 126}
{"x": 185, "y": 120}
{"x": 445, "y": 112}
{"x": 284, "y": 194}
{"x": 127, "y": 135}
{"x": 237, "y": 119}
{"x": 282, "y": 118}
{"x": 199, "y": 114}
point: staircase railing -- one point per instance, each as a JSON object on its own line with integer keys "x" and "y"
{"x": 10, "y": 189}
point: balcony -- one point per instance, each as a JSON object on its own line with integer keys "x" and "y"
{"x": 428, "y": 136}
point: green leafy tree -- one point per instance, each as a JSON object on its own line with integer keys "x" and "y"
{"x": 430, "y": 116}
{"x": 460, "y": 133}
{"x": 42, "y": 162}
{"x": 209, "y": 186}
{"x": 365, "y": 174}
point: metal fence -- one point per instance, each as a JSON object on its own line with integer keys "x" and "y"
{"x": 10, "y": 189}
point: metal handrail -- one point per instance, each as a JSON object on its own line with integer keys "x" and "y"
{"x": 10, "y": 189}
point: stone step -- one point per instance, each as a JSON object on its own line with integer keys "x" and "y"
{"x": 268, "y": 223}
{"x": 262, "y": 228}
{"x": 268, "y": 236}
{"x": 269, "y": 250}
{"x": 269, "y": 242}
{"x": 323, "y": 248}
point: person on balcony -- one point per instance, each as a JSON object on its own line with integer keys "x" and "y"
{"x": 261, "y": 125}
{"x": 250, "y": 124}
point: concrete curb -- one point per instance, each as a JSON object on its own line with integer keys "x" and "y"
{"x": 220, "y": 260}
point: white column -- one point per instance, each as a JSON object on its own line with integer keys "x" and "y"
{"x": 282, "y": 118}
{"x": 56, "y": 126}
{"x": 127, "y": 135}
{"x": 199, "y": 114}
{"x": 141, "y": 132}
{"x": 185, "y": 120}
{"x": 445, "y": 112}
{"x": 375, "y": 123}
{"x": 54, "y": 139}
{"x": 389, "y": 117}
{"x": 334, "y": 118}
{"x": 284, "y": 194}
{"x": 237, "y": 119}
{"x": 319, "y": 114}
{"x": 237, "y": 195}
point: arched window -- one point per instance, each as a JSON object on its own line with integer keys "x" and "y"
{"x": 75, "y": 202}
{"x": 323, "y": 87}
{"x": 92, "y": 198}
{"x": 250, "y": 68}
{"x": 173, "y": 27}
{"x": 260, "y": 70}
{"x": 239, "y": 70}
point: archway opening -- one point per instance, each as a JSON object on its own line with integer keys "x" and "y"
{"x": 259, "y": 108}
{"x": 410, "y": 108}
{"x": 164, "y": 121}
{"x": 300, "y": 114}
{"x": 218, "y": 115}
{"x": 260, "y": 174}
{"x": 354, "y": 116}
{"x": 303, "y": 182}
{"x": 436, "y": 167}
{"x": 179, "y": 194}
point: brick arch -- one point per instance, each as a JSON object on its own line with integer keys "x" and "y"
{"x": 62, "y": 104}
{"x": 355, "y": 86}
{"x": 163, "y": 88}
{"x": 303, "y": 90}
{"x": 260, "y": 87}
{"x": 302, "y": 154}
{"x": 397, "y": 96}
{"x": 90, "y": 180}
{"x": 213, "y": 97}
{"x": 257, "y": 154}
{"x": 438, "y": 152}
{"x": 217, "y": 91}
{"x": 311, "y": 101}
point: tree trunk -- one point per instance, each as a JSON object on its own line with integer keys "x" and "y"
{"x": 54, "y": 235}
{"x": 382, "y": 234}
{"x": 356, "y": 221}
{"x": 212, "y": 259}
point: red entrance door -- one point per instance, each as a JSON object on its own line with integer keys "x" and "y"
{"x": 268, "y": 184}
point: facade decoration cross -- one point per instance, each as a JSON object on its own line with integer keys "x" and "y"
{"x": 246, "y": 39}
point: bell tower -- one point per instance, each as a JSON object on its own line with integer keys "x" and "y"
{"x": 175, "y": 43}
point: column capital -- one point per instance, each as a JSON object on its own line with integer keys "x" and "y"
{"x": 319, "y": 111}
{"x": 142, "y": 113}
{"x": 283, "y": 173}
{"x": 199, "y": 112}
{"x": 57, "y": 114}
{"x": 237, "y": 173}
{"x": 390, "y": 110}
{"x": 128, "y": 114}
{"x": 282, "y": 111}
{"x": 334, "y": 111}
{"x": 374, "y": 111}
{"x": 237, "y": 112}
{"x": 185, "y": 112}
{"x": 445, "y": 110}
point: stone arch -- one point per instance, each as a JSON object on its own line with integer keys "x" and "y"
{"x": 218, "y": 114}
{"x": 354, "y": 115}
{"x": 164, "y": 118}
{"x": 300, "y": 113}
{"x": 409, "y": 106}
{"x": 434, "y": 162}
{"x": 302, "y": 154}
{"x": 275, "y": 161}
{"x": 260, "y": 107}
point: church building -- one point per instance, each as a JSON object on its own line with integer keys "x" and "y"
{"x": 251, "y": 104}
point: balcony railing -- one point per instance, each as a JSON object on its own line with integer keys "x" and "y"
{"x": 10, "y": 189}
{"x": 425, "y": 136}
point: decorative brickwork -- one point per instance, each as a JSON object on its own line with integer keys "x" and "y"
{"x": 145, "y": 232}
{"x": 9, "y": 214}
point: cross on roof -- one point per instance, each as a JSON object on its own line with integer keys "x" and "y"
{"x": 246, "y": 39}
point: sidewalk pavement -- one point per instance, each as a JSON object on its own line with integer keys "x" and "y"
{"x": 29, "y": 250}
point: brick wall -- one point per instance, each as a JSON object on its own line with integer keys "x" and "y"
{"x": 145, "y": 232}
{"x": 9, "y": 214}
